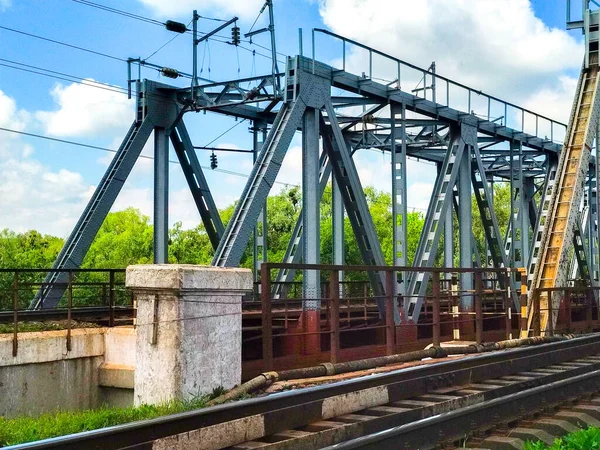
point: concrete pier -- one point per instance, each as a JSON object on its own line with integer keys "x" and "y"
{"x": 189, "y": 329}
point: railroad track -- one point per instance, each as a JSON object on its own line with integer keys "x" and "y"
{"x": 417, "y": 407}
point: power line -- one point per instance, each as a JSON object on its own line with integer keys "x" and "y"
{"x": 110, "y": 150}
{"x": 132, "y": 15}
{"x": 64, "y": 44}
{"x": 63, "y": 76}
{"x": 120, "y": 12}
{"x": 222, "y": 39}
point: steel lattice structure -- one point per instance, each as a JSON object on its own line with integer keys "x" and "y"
{"x": 474, "y": 141}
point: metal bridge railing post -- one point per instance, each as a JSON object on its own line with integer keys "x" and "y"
{"x": 550, "y": 316}
{"x": 588, "y": 308}
{"x": 523, "y": 301}
{"x": 455, "y": 300}
{"x": 537, "y": 313}
{"x": 568, "y": 300}
{"x": 507, "y": 308}
{"x": 267, "y": 329}
{"x": 478, "y": 309}
{"x": 334, "y": 316}
{"x": 435, "y": 285}
{"x": 15, "y": 345}
{"x": 111, "y": 299}
{"x": 69, "y": 306}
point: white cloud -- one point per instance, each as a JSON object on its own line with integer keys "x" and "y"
{"x": 4, "y": 4}
{"x": 34, "y": 197}
{"x": 88, "y": 109}
{"x": 247, "y": 9}
{"x": 10, "y": 116}
{"x": 499, "y": 47}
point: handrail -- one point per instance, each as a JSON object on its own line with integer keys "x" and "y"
{"x": 435, "y": 76}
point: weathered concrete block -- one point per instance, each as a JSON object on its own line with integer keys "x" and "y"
{"x": 189, "y": 329}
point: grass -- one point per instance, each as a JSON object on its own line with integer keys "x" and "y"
{"x": 27, "y": 429}
{"x": 588, "y": 439}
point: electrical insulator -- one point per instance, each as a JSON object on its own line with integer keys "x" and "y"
{"x": 252, "y": 94}
{"x": 235, "y": 35}
{"x": 177, "y": 27}
{"x": 169, "y": 73}
{"x": 213, "y": 161}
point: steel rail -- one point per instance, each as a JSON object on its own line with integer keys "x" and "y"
{"x": 296, "y": 408}
{"x": 452, "y": 425}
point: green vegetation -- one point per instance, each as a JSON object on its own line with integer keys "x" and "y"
{"x": 125, "y": 238}
{"x": 27, "y": 429}
{"x": 588, "y": 439}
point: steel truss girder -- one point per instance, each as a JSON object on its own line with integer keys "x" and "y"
{"x": 235, "y": 238}
{"x": 293, "y": 252}
{"x": 263, "y": 175}
{"x": 441, "y": 199}
{"x": 196, "y": 181}
{"x": 157, "y": 110}
{"x": 81, "y": 238}
{"x": 355, "y": 203}
{"x": 383, "y": 93}
{"x": 581, "y": 254}
{"x": 260, "y": 250}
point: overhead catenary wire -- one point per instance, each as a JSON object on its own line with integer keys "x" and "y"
{"x": 110, "y": 150}
{"x": 54, "y": 41}
{"x": 162, "y": 46}
{"x": 135, "y": 16}
{"x": 220, "y": 38}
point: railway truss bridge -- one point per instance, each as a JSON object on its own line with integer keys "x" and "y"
{"x": 472, "y": 140}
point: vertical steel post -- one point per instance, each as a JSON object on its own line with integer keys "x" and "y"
{"x": 274, "y": 67}
{"x": 195, "y": 54}
{"x": 334, "y": 316}
{"x": 465, "y": 221}
{"x": 260, "y": 229}
{"x": 310, "y": 207}
{"x": 266, "y": 316}
{"x": 435, "y": 285}
{"x": 399, "y": 195}
{"x": 337, "y": 224}
{"x": 311, "y": 229}
{"x": 161, "y": 196}
{"x": 390, "y": 325}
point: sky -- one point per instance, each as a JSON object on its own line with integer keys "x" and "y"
{"x": 517, "y": 50}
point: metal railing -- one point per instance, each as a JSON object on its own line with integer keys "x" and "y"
{"x": 486, "y": 109}
{"x": 91, "y": 295}
{"x": 349, "y": 322}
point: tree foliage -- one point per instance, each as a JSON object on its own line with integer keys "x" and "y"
{"x": 125, "y": 237}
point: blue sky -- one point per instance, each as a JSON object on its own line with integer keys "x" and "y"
{"x": 514, "y": 49}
